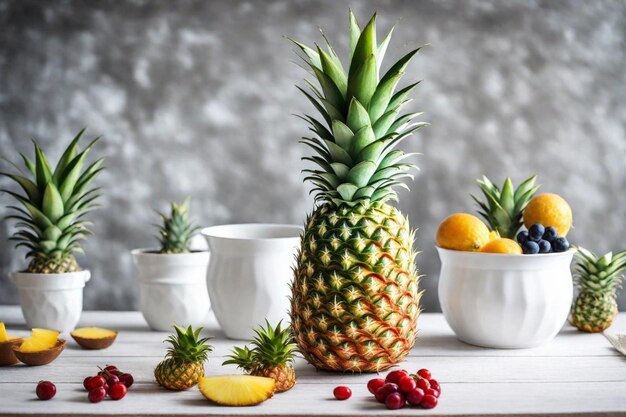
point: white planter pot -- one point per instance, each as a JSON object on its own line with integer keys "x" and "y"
{"x": 249, "y": 274}
{"x": 172, "y": 288}
{"x": 505, "y": 301}
{"x": 51, "y": 301}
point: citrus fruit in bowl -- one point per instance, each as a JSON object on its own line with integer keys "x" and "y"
{"x": 502, "y": 245}
{"x": 549, "y": 210}
{"x": 462, "y": 232}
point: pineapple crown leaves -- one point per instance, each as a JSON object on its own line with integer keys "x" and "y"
{"x": 271, "y": 346}
{"x": 49, "y": 218}
{"x": 599, "y": 273}
{"x": 186, "y": 345}
{"x": 504, "y": 208}
{"x": 176, "y": 230}
{"x": 354, "y": 146}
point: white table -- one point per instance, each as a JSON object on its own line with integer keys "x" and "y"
{"x": 576, "y": 373}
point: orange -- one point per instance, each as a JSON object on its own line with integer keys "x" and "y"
{"x": 549, "y": 210}
{"x": 502, "y": 245}
{"x": 462, "y": 231}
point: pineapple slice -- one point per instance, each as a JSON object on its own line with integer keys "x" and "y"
{"x": 41, "y": 339}
{"x": 94, "y": 333}
{"x": 3, "y": 333}
{"x": 237, "y": 390}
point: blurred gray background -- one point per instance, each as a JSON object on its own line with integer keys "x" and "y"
{"x": 197, "y": 98}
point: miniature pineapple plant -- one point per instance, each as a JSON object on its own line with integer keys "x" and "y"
{"x": 183, "y": 365}
{"x": 355, "y": 297}
{"x": 176, "y": 230}
{"x": 271, "y": 356}
{"x": 597, "y": 279}
{"x": 55, "y": 199}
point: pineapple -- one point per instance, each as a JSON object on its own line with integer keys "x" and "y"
{"x": 355, "y": 297}
{"x": 40, "y": 339}
{"x": 237, "y": 390}
{"x": 271, "y": 356}
{"x": 184, "y": 361}
{"x": 177, "y": 230}
{"x": 504, "y": 208}
{"x": 50, "y": 223}
{"x": 597, "y": 278}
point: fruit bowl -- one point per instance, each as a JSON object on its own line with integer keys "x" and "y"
{"x": 505, "y": 301}
{"x": 7, "y": 356}
{"x": 94, "y": 338}
{"x": 43, "y": 357}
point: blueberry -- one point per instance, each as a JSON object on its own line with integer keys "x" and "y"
{"x": 545, "y": 246}
{"x": 550, "y": 233}
{"x": 522, "y": 237}
{"x": 530, "y": 248}
{"x": 535, "y": 232}
{"x": 560, "y": 244}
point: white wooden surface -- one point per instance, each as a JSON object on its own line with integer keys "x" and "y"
{"x": 575, "y": 374}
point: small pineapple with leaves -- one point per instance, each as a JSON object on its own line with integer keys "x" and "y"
{"x": 271, "y": 356}
{"x": 177, "y": 229}
{"x": 183, "y": 365}
{"x": 504, "y": 208}
{"x": 597, "y": 278}
{"x": 51, "y": 220}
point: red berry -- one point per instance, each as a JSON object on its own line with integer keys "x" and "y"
{"x": 126, "y": 379}
{"x": 422, "y": 383}
{"x": 424, "y": 373}
{"x": 385, "y": 390}
{"x": 96, "y": 395}
{"x": 86, "y": 382}
{"x": 415, "y": 397}
{"x": 342, "y": 393}
{"x": 407, "y": 384}
{"x": 394, "y": 401}
{"x": 112, "y": 379}
{"x": 374, "y": 384}
{"x": 117, "y": 391}
{"x": 94, "y": 382}
{"x": 111, "y": 369}
{"x": 106, "y": 387}
{"x": 432, "y": 392}
{"x": 395, "y": 376}
{"x": 435, "y": 385}
{"x": 429, "y": 401}
{"x": 45, "y": 390}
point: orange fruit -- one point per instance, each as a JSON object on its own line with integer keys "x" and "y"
{"x": 462, "y": 231}
{"x": 549, "y": 210}
{"x": 502, "y": 245}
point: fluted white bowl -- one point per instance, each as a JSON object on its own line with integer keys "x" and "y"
{"x": 505, "y": 301}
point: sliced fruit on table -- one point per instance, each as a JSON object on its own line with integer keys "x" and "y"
{"x": 184, "y": 361}
{"x": 271, "y": 355}
{"x": 549, "y": 210}
{"x": 237, "y": 390}
{"x": 94, "y": 337}
{"x": 40, "y": 340}
{"x": 7, "y": 344}
{"x": 502, "y": 245}
{"x": 462, "y": 231}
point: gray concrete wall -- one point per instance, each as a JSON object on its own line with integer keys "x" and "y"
{"x": 196, "y": 98}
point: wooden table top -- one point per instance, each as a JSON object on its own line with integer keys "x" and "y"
{"x": 577, "y": 373}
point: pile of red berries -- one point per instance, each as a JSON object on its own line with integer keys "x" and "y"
{"x": 109, "y": 381}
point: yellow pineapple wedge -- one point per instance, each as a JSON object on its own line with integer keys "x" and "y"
{"x": 237, "y": 390}
{"x": 4, "y": 337}
{"x": 40, "y": 339}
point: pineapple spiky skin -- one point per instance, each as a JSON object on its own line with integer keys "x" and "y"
{"x": 594, "y": 313}
{"x": 177, "y": 229}
{"x": 355, "y": 297}
{"x": 177, "y": 375}
{"x": 47, "y": 265}
{"x": 284, "y": 376}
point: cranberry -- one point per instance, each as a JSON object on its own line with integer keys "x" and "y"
{"x": 385, "y": 390}
{"x": 45, "y": 390}
{"x": 424, "y": 373}
{"x": 394, "y": 401}
{"x": 407, "y": 384}
{"x": 395, "y": 376}
{"x": 374, "y": 384}
{"x": 86, "y": 382}
{"x": 126, "y": 379}
{"x": 342, "y": 393}
{"x": 117, "y": 391}
{"x": 432, "y": 392}
{"x": 422, "y": 383}
{"x": 415, "y": 397}
{"x": 429, "y": 401}
{"x": 435, "y": 385}
{"x": 94, "y": 382}
{"x": 96, "y": 395}
{"x": 112, "y": 379}
{"x": 111, "y": 369}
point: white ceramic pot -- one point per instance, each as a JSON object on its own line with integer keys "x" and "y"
{"x": 51, "y": 301}
{"x": 505, "y": 301}
{"x": 172, "y": 288}
{"x": 250, "y": 273}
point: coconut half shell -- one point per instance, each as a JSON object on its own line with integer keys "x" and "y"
{"x": 7, "y": 356}
{"x": 43, "y": 357}
{"x": 95, "y": 343}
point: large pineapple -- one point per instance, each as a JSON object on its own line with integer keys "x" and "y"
{"x": 597, "y": 278}
{"x": 183, "y": 365}
{"x": 504, "y": 209}
{"x": 355, "y": 297}
{"x": 271, "y": 356}
{"x": 176, "y": 230}
{"x": 50, "y": 222}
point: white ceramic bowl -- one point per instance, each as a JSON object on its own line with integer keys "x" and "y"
{"x": 249, "y": 274}
{"x": 505, "y": 301}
